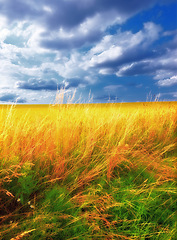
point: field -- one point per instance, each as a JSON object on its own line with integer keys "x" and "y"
{"x": 88, "y": 171}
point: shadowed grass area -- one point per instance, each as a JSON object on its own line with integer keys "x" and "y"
{"x": 104, "y": 171}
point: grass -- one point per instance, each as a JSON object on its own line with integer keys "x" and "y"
{"x": 88, "y": 171}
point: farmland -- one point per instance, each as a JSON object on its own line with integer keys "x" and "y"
{"x": 88, "y": 171}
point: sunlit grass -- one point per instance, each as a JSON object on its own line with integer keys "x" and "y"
{"x": 88, "y": 171}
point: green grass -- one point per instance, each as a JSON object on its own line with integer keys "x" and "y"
{"x": 131, "y": 206}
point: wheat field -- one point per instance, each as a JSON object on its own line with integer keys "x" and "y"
{"x": 88, "y": 171}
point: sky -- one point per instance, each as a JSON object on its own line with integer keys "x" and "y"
{"x": 89, "y": 50}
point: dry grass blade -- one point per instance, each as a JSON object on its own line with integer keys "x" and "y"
{"x": 20, "y": 236}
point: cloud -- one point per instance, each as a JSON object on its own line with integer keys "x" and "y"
{"x": 160, "y": 66}
{"x": 68, "y": 14}
{"x": 113, "y": 53}
{"x": 74, "y": 44}
{"x": 137, "y": 68}
{"x": 122, "y": 54}
{"x": 75, "y": 82}
{"x": 21, "y": 100}
{"x": 133, "y": 54}
{"x": 92, "y": 28}
{"x": 124, "y": 47}
{"x": 168, "y": 82}
{"x": 72, "y": 24}
{"x": 167, "y": 96}
{"x": 69, "y": 40}
{"x": 18, "y": 9}
{"x": 89, "y": 31}
{"x": 38, "y": 85}
{"x": 11, "y": 97}
{"x": 49, "y": 85}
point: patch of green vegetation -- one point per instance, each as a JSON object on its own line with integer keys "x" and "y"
{"x": 24, "y": 185}
{"x": 54, "y": 216}
{"x": 139, "y": 207}
{"x": 131, "y": 202}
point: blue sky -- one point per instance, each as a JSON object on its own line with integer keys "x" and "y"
{"x": 99, "y": 50}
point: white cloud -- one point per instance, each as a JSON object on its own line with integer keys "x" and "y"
{"x": 168, "y": 82}
{"x": 34, "y": 32}
{"x": 17, "y": 62}
{"x": 3, "y": 29}
{"x": 110, "y": 54}
{"x": 106, "y": 71}
{"x": 123, "y": 69}
{"x": 114, "y": 47}
{"x": 168, "y": 63}
{"x": 151, "y": 32}
{"x": 127, "y": 39}
{"x": 3, "y": 22}
{"x": 100, "y": 22}
{"x": 47, "y": 9}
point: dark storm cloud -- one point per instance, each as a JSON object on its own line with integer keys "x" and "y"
{"x": 11, "y": 97}
{"x": 55, "y": 14}
{"x": 38, "y": 85}
{"x": 72, "y": 12}
{"x": 48, "y": 85}
{"x": 148, "y": 68}
{"x": 74, "y": 42}
{"x": 8, "y": 97}
{"x": 135, "y": 54}
{"x": 74, "y": 82}
{"x": 69, "y": 14}
{"x": 18, "y": 10}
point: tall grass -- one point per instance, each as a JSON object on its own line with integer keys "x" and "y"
{"x": 88, "y": 171}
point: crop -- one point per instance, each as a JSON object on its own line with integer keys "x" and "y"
{"x": 88, "y": 171}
